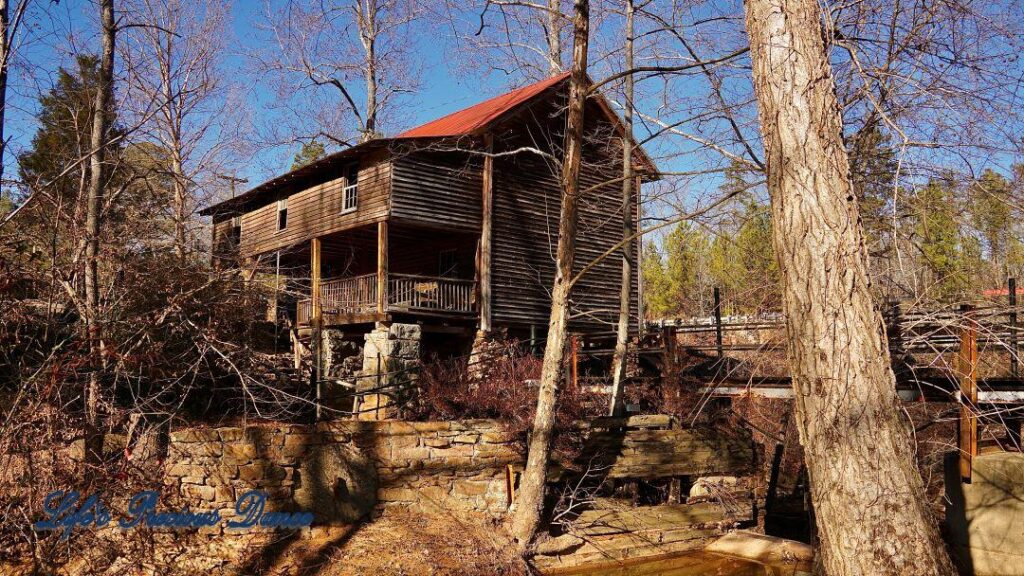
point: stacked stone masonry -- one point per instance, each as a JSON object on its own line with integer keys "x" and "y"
{"x": 342, "y": 470}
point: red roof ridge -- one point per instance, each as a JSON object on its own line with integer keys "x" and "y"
{"x": 469, "y": 120}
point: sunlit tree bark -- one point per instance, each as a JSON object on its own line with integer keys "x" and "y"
{"x": 530, "y": 499}
{"x": 867, "y": 492}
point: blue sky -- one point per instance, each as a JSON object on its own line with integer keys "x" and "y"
{"x": 448, "y": 83}
{"x": 58, "y": 30}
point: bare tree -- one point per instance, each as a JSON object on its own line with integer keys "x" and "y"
{"x": 522, "y": 40}
{"x": 8, "y": 31}
{"x": 531, "y": 492}
{"x": 319, "y": 47}
{"x": 866, "y": 488}
{"x": 177, "y": 52}
{"x": 628, "y": 250}
{"x": 93, "y": 223}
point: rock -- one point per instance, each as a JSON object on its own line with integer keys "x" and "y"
{"x": 558, "y": 546}
{"x": 406, "y": 331}
{"x": 713, "y": 485}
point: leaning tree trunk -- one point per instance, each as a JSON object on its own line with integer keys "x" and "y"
{"x": 530, "y": 498}
{"x": 615, "y": 407}
{"x": 867, "y": 492}
{"x": 93, "y": 221}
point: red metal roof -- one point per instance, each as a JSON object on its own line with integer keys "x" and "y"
{"x": 469, "y": 120}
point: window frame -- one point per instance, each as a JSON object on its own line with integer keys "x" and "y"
{"x": 350, "y": 184}
{"x": 282, "y": 208}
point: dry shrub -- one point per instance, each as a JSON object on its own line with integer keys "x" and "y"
{"x": 507, "y": 393}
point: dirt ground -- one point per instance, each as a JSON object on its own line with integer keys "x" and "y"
{"x": 401, "y": 543}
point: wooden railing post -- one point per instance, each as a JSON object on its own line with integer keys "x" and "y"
{"x": 718, "y": 322}
{"x": 1011, "y": 285}
{"x": 382, "y": 266}
{"x": 967, "y": 369}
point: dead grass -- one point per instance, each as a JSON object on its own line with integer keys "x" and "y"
{"x": 405, "y": 543}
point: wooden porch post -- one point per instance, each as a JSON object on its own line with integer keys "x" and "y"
{"x": 382, "y": 266}
{"x": 485, "y": 236}
{"x": 316, "y": 316}
{"x": 314, "y": 270}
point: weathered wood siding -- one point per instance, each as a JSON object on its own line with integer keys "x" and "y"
{"x": 437, "y": 188}
{"x": 223, "y": 247}
{"x": 316, "y": 210}
{"x": 527, "y": 202}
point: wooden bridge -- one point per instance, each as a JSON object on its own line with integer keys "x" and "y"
{"x": 968, "y": 354}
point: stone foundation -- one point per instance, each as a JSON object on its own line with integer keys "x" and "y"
{"x": 343, "y": 470}
{"x": 342, "y": 361}
{"x": 391, "y": 359}
{"x": 487, "y": 347}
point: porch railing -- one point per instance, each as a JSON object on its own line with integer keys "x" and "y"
{"x": 412, "y": 292}
{"x": 405, "y": 293}
{"x": 355, "y": 294}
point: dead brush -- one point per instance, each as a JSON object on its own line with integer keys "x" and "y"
{"x": 508, "y": 393}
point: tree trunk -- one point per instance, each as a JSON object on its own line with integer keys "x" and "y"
{"x": 181, "y": 207}
{"x": 368, "y": 32}
{"x": 867, "y": 492}
{"x": 5, "y": 48}
{"x": 530, "y": 498}
{"x": 93, "y": 222}
{"x": 554, "y": 37}
{"x": 626, "y": 288}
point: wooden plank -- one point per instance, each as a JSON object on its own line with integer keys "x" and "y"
{"x": 487, "y": 212}
{"x": 968, "y": 375}
{"x": 316, "y": 310}
{"x": 382, "y": 266}
{"x": 314, "y": 266}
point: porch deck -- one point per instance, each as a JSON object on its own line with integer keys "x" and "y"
{"x": 344, "y": 299}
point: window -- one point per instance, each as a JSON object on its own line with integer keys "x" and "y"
{"x": 448, "y": 264}
{"x": 282, "y": 214}
{"x": 350, "y": 193}
{"x": 235, "y": 235}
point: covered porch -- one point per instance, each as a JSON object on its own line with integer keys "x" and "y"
{"x": 370, "y": 273}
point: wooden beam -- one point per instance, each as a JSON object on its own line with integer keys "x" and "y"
{"x": 639, "y": 259}
{"x": 485, "y": 235}
{"x": 316, "y": 310}
{"x": 316, "y": 317}
{"x": 967, "y": 368}
{"x": 382, "y": 266}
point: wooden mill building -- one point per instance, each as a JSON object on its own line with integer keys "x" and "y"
{"x": 451, "y": 225}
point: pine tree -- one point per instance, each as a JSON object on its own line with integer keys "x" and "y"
{"x": 310, "y": 152}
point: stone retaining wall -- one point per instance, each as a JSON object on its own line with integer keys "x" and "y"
{"x": 342, "y": 470}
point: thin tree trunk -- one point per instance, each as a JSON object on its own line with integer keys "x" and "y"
{"x": 93, "y": 223}
{"x": 5, "y": 49}
{"x": 368, "y": 32}
{"x": 172, "y": 118}
{"x": 530, "y": 499}
{"x": 554, "y": 37}
{"x": 867, "y": 492}
{"x": 181, "y": 206}
{"x": 626, "y": 288}
{"x": 8, "y": 29}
